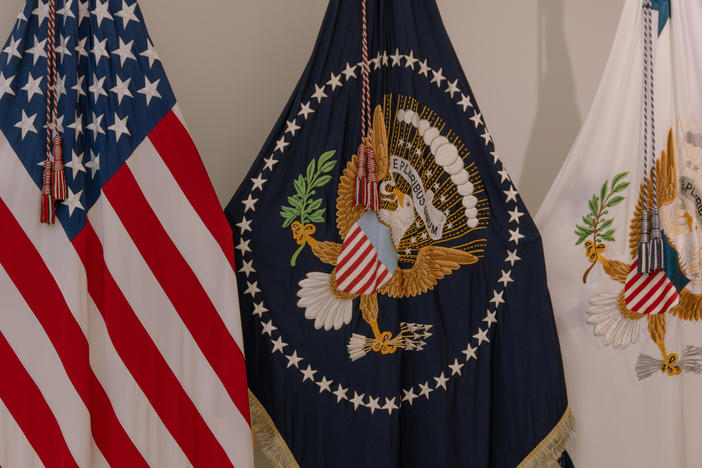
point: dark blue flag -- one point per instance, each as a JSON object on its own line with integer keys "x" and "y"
{"x": 414, "y": 333}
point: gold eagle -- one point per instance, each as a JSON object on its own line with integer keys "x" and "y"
{"x": 319, "y": 294}
{"x": 608, "y": 312}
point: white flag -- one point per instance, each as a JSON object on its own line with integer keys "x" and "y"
{"x": 631, "y": 341}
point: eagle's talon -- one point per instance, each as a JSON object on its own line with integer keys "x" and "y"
{"x": 670, "y": 367}
{"x": 411, "y": 337}
{"x": 671, "y": 370}
{"x": 382, "y": 345}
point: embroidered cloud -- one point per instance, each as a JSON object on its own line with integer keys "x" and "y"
{"x": 446, "y": 155}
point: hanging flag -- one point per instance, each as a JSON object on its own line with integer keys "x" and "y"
{"x": 120, "y": 339}
{"x": 415, "y": 330}
{"x": 627, "y": 310}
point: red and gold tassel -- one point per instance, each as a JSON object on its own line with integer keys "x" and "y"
{"x": 371, "y": 202}
{"x": 58, "y": 174}
{"x": 48, "y": 215}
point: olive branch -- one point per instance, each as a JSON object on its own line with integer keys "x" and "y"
{"x": 303, "y": 209}
{"x": 596, "y": 224}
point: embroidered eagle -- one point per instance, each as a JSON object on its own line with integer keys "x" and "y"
{"x": 365, "y": 264}
{"x": 611, "y": 313}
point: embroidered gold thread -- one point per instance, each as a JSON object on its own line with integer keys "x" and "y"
{"x": 549, "y": 450}
{"x": 269, "y": 439}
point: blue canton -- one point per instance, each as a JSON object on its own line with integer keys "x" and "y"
{"x": 112, "y": 87}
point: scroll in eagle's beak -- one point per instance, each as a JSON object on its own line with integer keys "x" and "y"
{"x": 400, "y": 197}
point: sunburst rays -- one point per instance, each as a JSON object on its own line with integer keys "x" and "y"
{"x": 405, "y": 142}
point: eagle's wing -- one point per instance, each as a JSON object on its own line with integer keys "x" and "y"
{"x": 617, "y": 270}
{"x": 379, "y": 143}
{"x": 635, "y": 226}
{"x": 321, "y": 304}
{"x": 667, "y": 174}
{"x": 431, "y": 265}
{"x": 326, "y": 251}
{"x": 689, "y": 307}
{"x": 616, "y": 326}
{"x": 667, "y": 180}
{"x": 346, "y": 212}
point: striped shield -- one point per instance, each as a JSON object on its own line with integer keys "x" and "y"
{"x": 649, "y": 293}
{"x": 365, "y": 262}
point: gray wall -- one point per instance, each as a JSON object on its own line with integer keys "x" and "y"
{"x": 534, "y": 66}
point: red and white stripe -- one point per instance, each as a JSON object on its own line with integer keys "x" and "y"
{"x": 649, "y": 294}
{"x": 123, "y": 347}
{"x": 359, "y": 270}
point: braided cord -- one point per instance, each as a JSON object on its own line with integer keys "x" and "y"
{"x": 652, "y": 103}
{"x": 644, "y": 250}
{"x": 366, "y": 186}
{"x": 365, "y": 95}
{"x": 47, "y": 199}
{"x": 51, "y": 100}
{"x": 657, "y": 254}
{"x": 646, "y": 99}
{"x": 651, "y": 247}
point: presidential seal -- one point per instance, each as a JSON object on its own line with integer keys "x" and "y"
{"x": 675, "y": 290}
{"x": 428, "y": 203}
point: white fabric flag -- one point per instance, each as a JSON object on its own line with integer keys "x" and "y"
{"x": 632, "y": 343}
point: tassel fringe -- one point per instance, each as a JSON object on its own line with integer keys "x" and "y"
{"x": 657, "y": 260}
{"x": 268, "y": 438}
{"x": 551, "y": 448}
{"x": 644, "y": 246}
{"x": 359, "y": 191}
{"x": 644, "y": 258}
{"x": 58, "y": 174}
{"x": 371, "y": 202}
{"x": 58, "y": 184}
{"x": 48, "y": 215}
{"x": 366, "y": 187}
{"x": 656, "y": 252}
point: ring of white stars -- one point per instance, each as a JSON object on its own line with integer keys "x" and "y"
{"x": 342, "y": 394}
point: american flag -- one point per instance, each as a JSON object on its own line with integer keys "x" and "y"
{"x": 120, "y": 339}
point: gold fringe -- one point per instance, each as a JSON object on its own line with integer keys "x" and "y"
{"x": 276, "y": 450}
{"x": 550, "y": 449}
{"x": 269, "y": 439}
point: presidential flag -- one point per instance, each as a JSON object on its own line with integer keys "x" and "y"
{"x": 120, "y": 338}
{"x": 391, "y": 281}
{"x": 621, "y": 228}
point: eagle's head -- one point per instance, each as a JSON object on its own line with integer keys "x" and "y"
{"x": 401, "y": 218}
